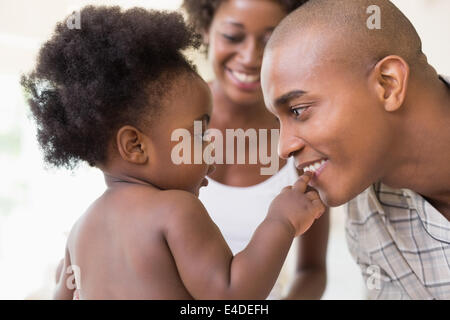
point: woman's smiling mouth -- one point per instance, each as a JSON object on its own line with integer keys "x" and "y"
{"x": 244, "y": 81}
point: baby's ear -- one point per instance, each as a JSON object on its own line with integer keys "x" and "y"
{"x": 390, "y": 78}
{"x": 132, "y": 145}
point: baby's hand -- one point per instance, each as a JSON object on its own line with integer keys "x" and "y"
{"x": 296, "y": 207}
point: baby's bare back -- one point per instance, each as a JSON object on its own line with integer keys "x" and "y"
{"x": 120, "y": 249}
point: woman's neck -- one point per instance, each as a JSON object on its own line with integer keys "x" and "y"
{"x": 230, "y": 114}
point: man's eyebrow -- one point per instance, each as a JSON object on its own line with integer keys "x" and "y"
{"x": 285, "y": 98}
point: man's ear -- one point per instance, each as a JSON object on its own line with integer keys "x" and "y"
{"x": 391, "y": 77}
{"x": 131, "y": 145}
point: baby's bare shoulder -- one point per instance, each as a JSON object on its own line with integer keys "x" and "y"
{"x": 182, "y": 208}
{"x": 161, "y": 203}
{"x": 180, "y": 201}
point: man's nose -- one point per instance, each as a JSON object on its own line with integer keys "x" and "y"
{"x": 289, "y": 143}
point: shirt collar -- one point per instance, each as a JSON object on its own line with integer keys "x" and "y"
{"x": 433, "y": 221}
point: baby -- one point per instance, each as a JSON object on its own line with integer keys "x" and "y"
{"x": 110, "y": 94}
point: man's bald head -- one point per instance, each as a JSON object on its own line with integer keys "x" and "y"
{"x": 350, "y": 97}
{"x": 341, "y": 26}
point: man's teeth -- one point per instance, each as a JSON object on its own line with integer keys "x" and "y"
{"x": 314, "y": 167}
{"x": 245, "y": 78}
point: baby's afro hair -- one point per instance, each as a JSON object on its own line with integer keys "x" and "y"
{"x": 90, "y": 81}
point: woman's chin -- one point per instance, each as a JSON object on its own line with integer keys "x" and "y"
{"x": 246, "y": 100}
{"x": 243, "y": 97}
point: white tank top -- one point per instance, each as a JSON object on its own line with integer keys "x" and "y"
{"x": 238, "y": 211}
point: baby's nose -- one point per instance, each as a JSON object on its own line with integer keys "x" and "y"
{"x": 211, "y": 169}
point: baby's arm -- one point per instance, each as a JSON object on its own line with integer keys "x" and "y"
{"x": 205, "y": 262}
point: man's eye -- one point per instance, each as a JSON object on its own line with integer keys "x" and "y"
{"x": 298, "y": 111}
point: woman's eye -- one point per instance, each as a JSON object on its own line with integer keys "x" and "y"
{"x": 232, "y": 38}
{"x": 266, "y": 38}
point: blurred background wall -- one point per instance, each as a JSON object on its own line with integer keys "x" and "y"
{"x": 39, "y": 206}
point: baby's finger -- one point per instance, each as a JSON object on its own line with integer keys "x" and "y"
{"x": 312, "y": 195}
{"x": 319, "y": 207}
{"x": 286, "y": 189}
{"x": 302, "y": 183}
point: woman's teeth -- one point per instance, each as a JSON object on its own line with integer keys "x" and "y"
{"x": 314, "y": 167}
{"x": 245, "y": 78}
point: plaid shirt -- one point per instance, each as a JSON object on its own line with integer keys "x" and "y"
{"x": 401, "y": 242}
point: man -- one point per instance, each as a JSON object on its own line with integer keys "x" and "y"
{"x": 363, "y": 109}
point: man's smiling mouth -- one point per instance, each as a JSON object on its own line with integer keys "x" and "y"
{"x": 313, "y": 166}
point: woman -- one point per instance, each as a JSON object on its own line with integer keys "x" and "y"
{"x": 235, "y": 33}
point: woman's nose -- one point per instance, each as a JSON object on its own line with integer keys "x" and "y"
{"x": 251, "y": 53}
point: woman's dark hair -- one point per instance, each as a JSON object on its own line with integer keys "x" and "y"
{"x": 201, "y": 12}
{"x": 88, "y": 82}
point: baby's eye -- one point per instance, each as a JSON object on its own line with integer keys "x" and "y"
{"x": 206, "y": 135}
{"x": 200, "y": 135}
{"x": 203, "y": 135}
